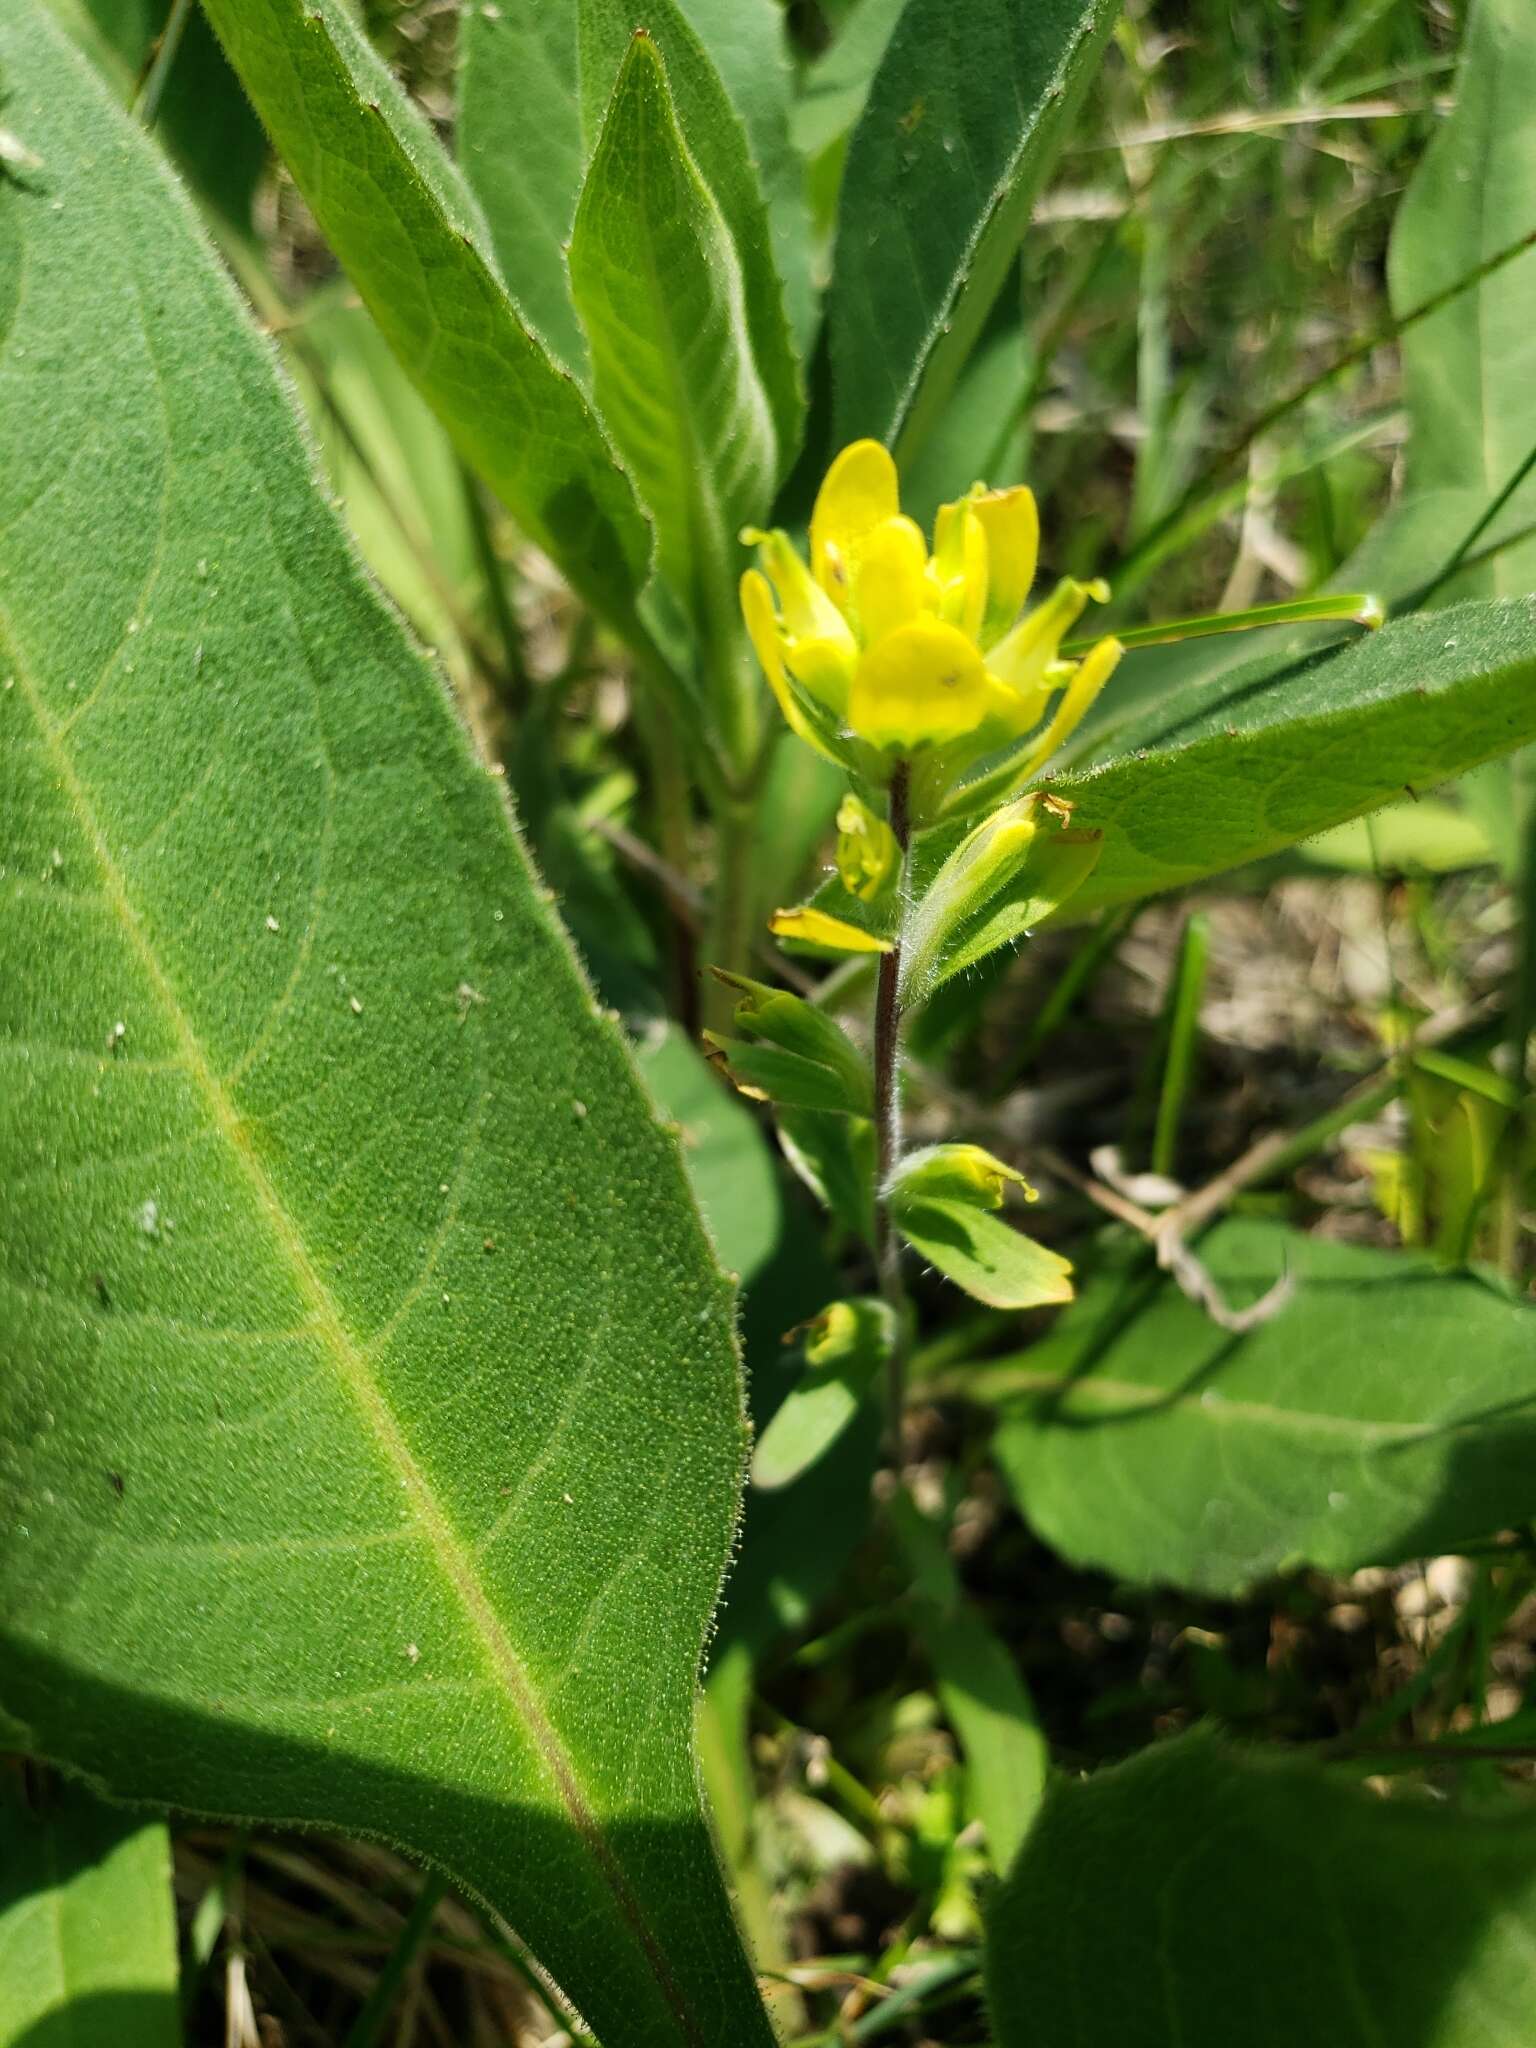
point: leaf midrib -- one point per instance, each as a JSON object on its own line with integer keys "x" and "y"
{"x": 349, "y": 1359}
{"x": 1140, "y": 1399}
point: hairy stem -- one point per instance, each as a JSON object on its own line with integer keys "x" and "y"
{"x": 888, "y": 1134}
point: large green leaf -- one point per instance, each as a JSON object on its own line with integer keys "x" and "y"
{"x": 526, "y": 168}
{"x": 747, "y": 42}
{"x": 413, "y": 242}
{"x": 535, "y": 85}
{"x": 87, "y": 1923}
{"x": 962, "y": 121}
{"x": 371, "y": 1430}
{"x": 1224, "y": 772}
{"x": 837, "y": 85}
{"x": 660, "y": 293}
{"x": 1387, "y": 1411}
{"x": 1469, "y": 371}
{"x": 1199, "y": 1896}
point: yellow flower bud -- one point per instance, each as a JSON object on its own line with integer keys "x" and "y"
{"x": 867, "y": 853}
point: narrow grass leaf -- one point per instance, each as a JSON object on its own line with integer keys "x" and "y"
{"x": 1469, "y": 371}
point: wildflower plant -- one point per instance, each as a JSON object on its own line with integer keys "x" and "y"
{"x": 385, "y": 1276}
{"x": 929, "y": 679}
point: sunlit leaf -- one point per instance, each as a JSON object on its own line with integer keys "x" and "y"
{"x": 961, "y": 124}
{"x": 371, "y": 1429}
{"x": 87, "y": 1922}
{"x": 413, "y": 242}
{"x": 1385, "y": 1412}
{"x": 1224, "y": 772}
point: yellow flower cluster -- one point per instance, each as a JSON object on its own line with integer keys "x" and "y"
{"x": 880, "y": 651}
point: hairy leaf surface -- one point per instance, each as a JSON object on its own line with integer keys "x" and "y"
{"x": 535, "y": 86}
{"x": 961, "y": 124}
{"x": 371, "y": 1430}
{"x": 87, "y": 1923}
{"x": 1221, "y": 773}
{"x": 1387, "y": 1412}
{"x": 1202, "y": 1896}
{"x": 415, "y": 245}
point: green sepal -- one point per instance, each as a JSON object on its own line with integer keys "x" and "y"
{"x": 981, "y": 1253}
{"x": 956, "y": 1173}
{"x": 1004, "y": 877}
{"x": 845, "y": 1347}
{"x": 773, "y": 1075}
{"x": 776, "y": 1017}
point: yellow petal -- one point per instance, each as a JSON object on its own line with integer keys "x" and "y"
{"x": 890, "y": 579}
{"x": 858, "y": 493}
{"x": 818, "y": 929}
{"x": 1093, "y": 672}
{"x": 1026, "y": 653}
{"x": 825, "y": 669}
{"x": 1011, "y": 522}
{"x": 960, "y": 565}
{"x": 806, "y": 608}
{"x": 923, "y": 684}
{"x": 762, "y": 622}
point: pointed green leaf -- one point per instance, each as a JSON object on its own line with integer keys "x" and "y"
{"x": 1386, "y": 1412}
{"x": 370, "y": 1416}
{"x": 525, "y": 168}
{"x": 1206, "y": 1895}
{"x": 748, "y": 43}
{"x": 983, "y": 1254}
{"x": 775, "y": 1017}
{"x": 1220, "y": 774}
{"x": 659, "y": 290}
{"x": 564, "y": 61}
{"x": 87, "y": 1922}
{"x": 962, "y": 122}
{"x": 414, "y": 244}
{"x": 772, "y": 1074}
